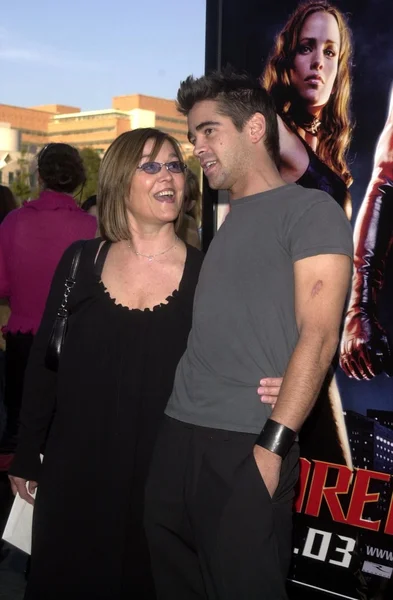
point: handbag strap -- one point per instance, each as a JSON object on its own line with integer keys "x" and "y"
{"x": 101, "y": 257}
{"x": 70, "y": 281}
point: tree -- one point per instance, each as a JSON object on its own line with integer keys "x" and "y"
{"x": 20, "y": 187}
{"x": 195, "y": 166}
{"x": 91, "y": 160}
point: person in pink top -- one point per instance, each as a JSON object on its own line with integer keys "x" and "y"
{"x": 32, "y": 241}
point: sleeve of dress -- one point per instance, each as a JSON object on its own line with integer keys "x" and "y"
{"x": 4, "y": 251}
{"x": 39, "y": 390}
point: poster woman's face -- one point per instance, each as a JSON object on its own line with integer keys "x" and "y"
{"x": 315, "y": 65}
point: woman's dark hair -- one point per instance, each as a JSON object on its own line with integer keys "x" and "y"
{"x": 7, "y": 202}
{"x": 61, "y": 168}
{"x": 89, "y": 203}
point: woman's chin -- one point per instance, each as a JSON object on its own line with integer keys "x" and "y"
{"x": 313, "y": 103}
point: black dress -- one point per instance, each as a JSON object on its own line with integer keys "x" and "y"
{"x": 321, "y": 177}
{"x": 104, "y": 408}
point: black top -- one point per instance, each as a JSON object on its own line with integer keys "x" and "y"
{"x": 102, "y": 410}
{"x": 321, "y": 177}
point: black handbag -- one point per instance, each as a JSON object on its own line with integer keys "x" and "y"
{"x": 59, "y": 329}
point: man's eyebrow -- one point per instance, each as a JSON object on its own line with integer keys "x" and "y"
{"x": 206, "y": 124}
{"x": 201, "y": 126}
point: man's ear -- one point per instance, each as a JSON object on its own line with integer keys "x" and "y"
{"x": 256, "y": 127}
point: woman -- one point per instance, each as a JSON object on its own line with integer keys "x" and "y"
{"x": 7, "y": 204}
{"x": 32, "y": 240}
{"x": 131, "y": 311}
{"x": 308, "y": 75}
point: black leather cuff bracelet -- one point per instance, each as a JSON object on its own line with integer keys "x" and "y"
{"x": 276, "y": 437}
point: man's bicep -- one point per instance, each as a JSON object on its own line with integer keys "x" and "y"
{"x": 321, "y": 286}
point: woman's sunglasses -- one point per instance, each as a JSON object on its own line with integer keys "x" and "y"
{"x": 152, "y": 168}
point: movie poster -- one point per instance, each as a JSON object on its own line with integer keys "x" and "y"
{"x": 343, "y": 540}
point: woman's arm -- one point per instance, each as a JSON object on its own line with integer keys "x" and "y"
{"x": 293, "y": 154}
{"x": 366, "y": 350}
{"x": 5, "y": 252}
{"x": 39, "y": 395}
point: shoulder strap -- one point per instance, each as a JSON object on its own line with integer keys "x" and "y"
{"x": 101, "y": 257}
{"x": 70, "y": 281}
{"x": 75, "y": 262}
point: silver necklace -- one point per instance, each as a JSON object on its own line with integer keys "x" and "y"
{"x": 151, "y": 257}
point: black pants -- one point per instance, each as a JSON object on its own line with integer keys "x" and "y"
{"x": 18, "y": 346}
{"x": 213, "y": 530}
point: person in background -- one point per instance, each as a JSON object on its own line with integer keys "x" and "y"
{"x": 32, "y": 241}
{"x": 90, "y": 205}
{"x": 308, "y": 75}
{"x": 189, "y": 229}
{"x": 7, "y": 204}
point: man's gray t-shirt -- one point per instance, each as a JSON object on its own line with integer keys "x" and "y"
{"x": 244, "y": 324}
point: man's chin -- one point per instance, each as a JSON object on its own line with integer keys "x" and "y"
{"x": 216, "y": 185}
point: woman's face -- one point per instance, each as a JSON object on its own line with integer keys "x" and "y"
{"x": 156, "y": 199}
{"x": 315, "y": 65}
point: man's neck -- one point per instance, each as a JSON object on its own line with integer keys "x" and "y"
{"x": 256, "y": 182}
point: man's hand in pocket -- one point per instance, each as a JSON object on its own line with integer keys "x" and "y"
{"x": 269, "y": 465}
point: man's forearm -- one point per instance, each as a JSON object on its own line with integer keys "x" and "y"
{"x": 303, "y": 379}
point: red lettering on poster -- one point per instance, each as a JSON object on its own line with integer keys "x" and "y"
{"x": 319, "y": 490}
{"x": 360, "y": 497}
{"x": 305, "y": 469}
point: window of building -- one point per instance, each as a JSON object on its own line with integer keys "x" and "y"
{"x": 10, "y": 178}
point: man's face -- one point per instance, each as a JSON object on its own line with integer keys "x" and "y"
{"x": 219, "y": 146}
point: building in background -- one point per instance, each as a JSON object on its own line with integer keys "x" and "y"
{"x": 16, "y": 156}
{"x": 32, "y": 128}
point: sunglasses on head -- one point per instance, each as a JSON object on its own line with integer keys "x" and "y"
{"x": 152, "y": 168}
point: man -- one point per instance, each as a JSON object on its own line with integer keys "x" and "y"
{"x": 269, "y": 302}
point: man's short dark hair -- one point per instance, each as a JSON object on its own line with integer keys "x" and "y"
{"x": 238, "y": 96}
